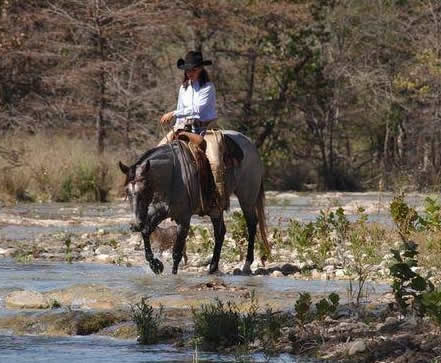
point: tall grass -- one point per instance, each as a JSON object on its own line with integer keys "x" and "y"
{"x": 59, "y": 168}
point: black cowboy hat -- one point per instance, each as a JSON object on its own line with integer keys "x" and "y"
{"x": 192, "y": 59}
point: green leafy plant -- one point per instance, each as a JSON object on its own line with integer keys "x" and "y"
{"x": 432, "y": 305}
{"x": 24, "y": 257}
{"x": 365, "y": 248}
{"x": 147, "y": 321}
{"x": 303, "y": 308}
{"x": 200, "y": 240}
{"x": 270, "y": 331}
{"x": 409, "y": 286}
{"x": 325, "y": 307}
{"x": 431, "y": 220}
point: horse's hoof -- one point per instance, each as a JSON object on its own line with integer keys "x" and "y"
{"x": 156, "y": 266}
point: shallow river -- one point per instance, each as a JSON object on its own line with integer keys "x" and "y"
{"x": 28, "y": 221}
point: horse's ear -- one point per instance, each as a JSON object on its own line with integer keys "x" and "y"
{"x": 146, "y": 167}
{"x": 124, "y": 168}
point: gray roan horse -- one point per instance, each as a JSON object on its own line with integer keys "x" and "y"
{"x": 157, "y": 188}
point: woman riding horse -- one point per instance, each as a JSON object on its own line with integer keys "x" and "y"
{"x": 196, "y": 108}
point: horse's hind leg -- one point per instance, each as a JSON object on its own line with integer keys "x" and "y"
{"x": 251, "y": 220}
{"x": 178, "y": 248}
{"x": 219, "y": 234}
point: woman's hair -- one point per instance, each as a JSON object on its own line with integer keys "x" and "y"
{"x": 203, "y": 78}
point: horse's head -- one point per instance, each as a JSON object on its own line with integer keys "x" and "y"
{"x": 138, "y": 191}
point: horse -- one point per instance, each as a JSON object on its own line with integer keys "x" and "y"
{"x": 163, "y": 183}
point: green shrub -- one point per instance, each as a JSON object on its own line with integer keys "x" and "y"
{"x": 147, "y": 321}
{"x": 222, "y": 324}
{"x": 325, "y": 307}
{"x": 409, "y": 286}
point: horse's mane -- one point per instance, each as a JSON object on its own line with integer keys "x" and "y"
{"x": 149, "y": 154}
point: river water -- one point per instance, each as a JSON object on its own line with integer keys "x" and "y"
{"x": 28, "y": 221}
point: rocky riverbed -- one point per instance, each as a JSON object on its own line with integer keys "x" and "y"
{"x": 72, "y": 270}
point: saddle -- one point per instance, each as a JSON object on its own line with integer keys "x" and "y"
{"x": 214, "y": 154}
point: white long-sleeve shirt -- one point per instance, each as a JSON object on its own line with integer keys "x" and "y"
{"x": 195, "y": 102}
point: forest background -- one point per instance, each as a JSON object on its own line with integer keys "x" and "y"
{"x": 336, "y": 94}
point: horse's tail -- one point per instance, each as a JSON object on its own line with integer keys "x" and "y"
{"x": 260, "y": 209}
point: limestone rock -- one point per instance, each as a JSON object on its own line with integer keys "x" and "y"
{"x": 26, "y": 300}
{"x": 88, "y": 297}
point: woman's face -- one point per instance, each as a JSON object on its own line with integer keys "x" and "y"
{"x": 193, "y": 74}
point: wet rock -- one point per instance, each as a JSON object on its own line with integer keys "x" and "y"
{"x": 258, "y": 271}
{"x": 88, "y": 297}
{"x": 277, "y": 274}
{"x": 90, "y": 323}
{"x": 358, "y": 346}
{"x": 124, "y": 330}
{"x": 289, "y": 269}
{"x": 170, "y": 333}
{"x": 61, "y": 323}
{"x": 26, "y": 300}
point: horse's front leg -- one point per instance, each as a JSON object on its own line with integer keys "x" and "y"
{"x": 156, "y": 214}
{"x": 219, "y": 234}
{"x": 155, "y": 264}
{"x": 178, "y": 248}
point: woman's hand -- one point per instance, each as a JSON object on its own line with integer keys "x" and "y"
{"x": 166, "y": 118}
